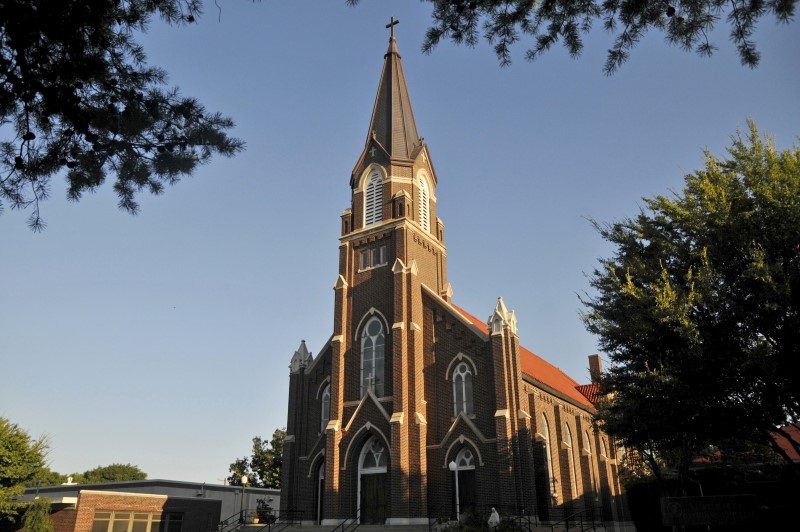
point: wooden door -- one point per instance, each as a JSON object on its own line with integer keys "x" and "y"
{"x": 373, "y": 499}
{"x": 466, "y": 490}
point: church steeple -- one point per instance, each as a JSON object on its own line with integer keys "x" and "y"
{"x": 392, "y": 216}
{"x": 392, "y": 129}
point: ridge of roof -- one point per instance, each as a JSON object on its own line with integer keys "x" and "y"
{"x": 538, "y": 368}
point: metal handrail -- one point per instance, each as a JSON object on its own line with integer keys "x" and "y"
{"x": 345, "y": 526}
{"x": 287, "y": 518}
{"x": 577, "y": 516}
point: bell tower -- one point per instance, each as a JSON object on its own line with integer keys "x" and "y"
{"x": 393, "y": 190}
{"x": 391, "y": 244}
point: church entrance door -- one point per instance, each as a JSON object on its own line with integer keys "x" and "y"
{"x": 466, "y": 490}
{"x": 373, "y": 497}
{"x": 372, "y": 482}
{"x": 320, "y": 493}
{"x": 465, "y": 469}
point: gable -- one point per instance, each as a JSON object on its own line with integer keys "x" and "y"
{"x": 536, "y": 368}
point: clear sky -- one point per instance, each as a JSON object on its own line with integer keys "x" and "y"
{"x": 163, "y": 340}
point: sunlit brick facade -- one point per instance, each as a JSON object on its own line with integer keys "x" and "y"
{"x": 411, "y": 392}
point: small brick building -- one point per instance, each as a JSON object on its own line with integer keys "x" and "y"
{"x": 108, "y": 511}
{"x": 411, "y": 393}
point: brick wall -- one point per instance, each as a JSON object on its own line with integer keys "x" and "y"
{"x": 198, "y": 514}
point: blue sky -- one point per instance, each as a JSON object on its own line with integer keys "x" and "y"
{"x": 163, "y": 339}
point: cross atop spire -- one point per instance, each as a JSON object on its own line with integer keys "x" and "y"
{"x": 391, "y": 26}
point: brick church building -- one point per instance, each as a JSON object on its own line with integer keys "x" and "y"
{"x": 412, "y": 395}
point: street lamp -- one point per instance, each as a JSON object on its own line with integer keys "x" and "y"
{"x": 241, "y": 503}
{"x": 454, "y": 468}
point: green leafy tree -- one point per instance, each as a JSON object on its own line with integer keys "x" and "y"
{"x": 77, "y": 98}
{"x": 699, "y": 309}
{"x": 21, "y": 457}
{"x": 113, "y": 473}
{"x": 684, "y": 23}
{"x": 263, "y": 467}
{"x": 37, "y": 516}
{"x": 46, "y": 477}
{"x": 239, "y": 468}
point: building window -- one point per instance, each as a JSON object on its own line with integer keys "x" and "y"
{"x": 424, "y": 200}
{"x": 374, "y": 457}
{"x": 326, "y": 408}
{"x": 373, "y": 258}
{"x": 462, "y": 390}
{"x": 372, "y": 342}
{"x": 127, "y": 521}
{"x": 379, "y": 256}
{"x": 573, "y": 473}
{"x": 465, "y": 459}
{"x": 373, "y": 193}
{"x": 548, "y": 456}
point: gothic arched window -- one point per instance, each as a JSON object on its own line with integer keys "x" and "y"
{"x": 326, "y": 408}
{"x": 373, "y": 192}
{"x": 374, "y": 457}
{"x": 424, "y": 207}
{"x": 548, "y": 456}
{"x": 573, "y": 473}
{"x": 462, "y": 390}
{"x": 372, "y": 342}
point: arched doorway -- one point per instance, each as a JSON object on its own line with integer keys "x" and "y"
{"x": 372, "y": 482}
{"x": 465, "y": 469}
{"x": 319, "y": 504}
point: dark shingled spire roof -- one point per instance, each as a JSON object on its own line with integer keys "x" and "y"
{"x": 392, "y": 118}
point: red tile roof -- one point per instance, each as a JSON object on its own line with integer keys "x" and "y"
{"x": 537, "y": 368}
{"x": 590, "y": 391}
{"x": 794, "y": 433}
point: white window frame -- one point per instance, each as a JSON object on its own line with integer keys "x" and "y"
{"x": 370, "y": 355}
{"x": 325, "y": 403}
{"x": 373, "y": 199}
{"x": 463, "y": 382}
{"x": 424, "y": 201}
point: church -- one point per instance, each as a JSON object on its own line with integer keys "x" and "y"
{"x": 415, "y": 409}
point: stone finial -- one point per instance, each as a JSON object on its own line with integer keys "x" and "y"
{"x": 501, "y": 317}
{"x": 301, "y": 358}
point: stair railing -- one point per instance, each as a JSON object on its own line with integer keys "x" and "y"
{"x": 350, "y": 523}
{"x": 579, "y": 519}
{"x": 287, "y": 518}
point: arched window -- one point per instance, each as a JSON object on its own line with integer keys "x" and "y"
{"x": 573, "y": 473}
{"x": 465, "y": 459}
{"x": 424, "y": 200}
{"x": 326, "y": 408}
{"x": 587, "y": 449}
{"x": 548, "y": 457}
{"x": 373, "y": 193}
{"x": 462, "y": 390}
{"x": 372, "y": 341}
{"x": 373, "y": 457}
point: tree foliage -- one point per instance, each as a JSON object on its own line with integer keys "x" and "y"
{"x": 37, "y": 516}
{"x": 77, "y": 97}
{"x": 112, "y": 473}
{"x": 20, "y": 458}
{"x": 684, "y": 23}
{"x": 699, "y": 308}
{"x": 263, "y": 467}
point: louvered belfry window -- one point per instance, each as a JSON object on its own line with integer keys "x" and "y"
{"x": 372, "y": 200}
{"x": 424, "y": 217}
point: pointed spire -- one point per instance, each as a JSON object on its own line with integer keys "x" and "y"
{"x": 301, "y": 358}
{"x": 392, "y": 124}
{"x": 501, "y": 317}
